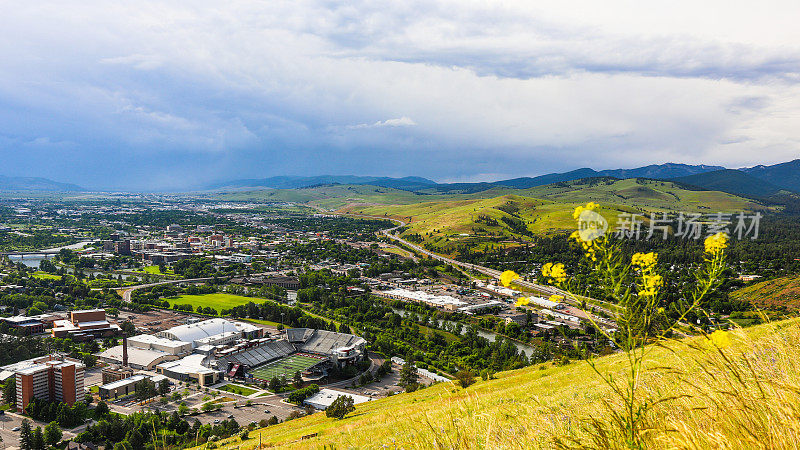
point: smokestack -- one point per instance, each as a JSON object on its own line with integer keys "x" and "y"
{"x": 124, "y": 351}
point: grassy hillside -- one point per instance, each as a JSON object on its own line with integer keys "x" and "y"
{"x": 742, "y": 394}
{"x": 780, "y": 294}
{"x": 472, "y": 220}
{"x": 338, "y": 195}
{"x": 649, "y": 195}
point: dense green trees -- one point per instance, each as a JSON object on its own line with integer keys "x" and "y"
{"x": 342, "y": 406}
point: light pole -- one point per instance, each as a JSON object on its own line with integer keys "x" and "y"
{"x": 282, "y": 327}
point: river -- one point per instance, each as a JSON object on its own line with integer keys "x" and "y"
{"x": 33, "y": 259}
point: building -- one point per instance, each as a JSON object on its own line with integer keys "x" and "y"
{"x": 86, "y": 324}
{"x": 193, "y": 367}
{"x": 112, "y": 373}
{"x": 241, "y": 258}
{"x": 53, "y": 377}
{"x": 127, "y": 386}
{"x": 138, "y": 358}
{"x": 28, "y": 325}
{"x": 325, "y": 397}
{"x": 216, "y": 331}
{"x": 160, "y": 344}
{"x": 341, "y": 348}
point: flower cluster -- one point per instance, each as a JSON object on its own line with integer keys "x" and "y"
{"x": 651, "y": 281}
{"x": 716, "y": 243}
{"x": 555, "y": 271}
{"x": 579, "y": 209}
{"x": 589, "y": 247}
{"x": 522, "y": 301}
{"x": 720, "y": 339}
{"x": 508, "y": 277}
{"x": 644, "y": 260}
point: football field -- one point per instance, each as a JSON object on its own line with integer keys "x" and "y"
{"x": 287, "y": 366}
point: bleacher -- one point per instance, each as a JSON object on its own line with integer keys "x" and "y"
{"x": 256, "y": 356}
{"x": 325, "y": 342}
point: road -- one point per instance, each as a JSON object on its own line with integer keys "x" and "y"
{"x": 128, "y": 290}
{"x": 549, "y": 290}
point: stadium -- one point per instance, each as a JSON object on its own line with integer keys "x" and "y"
{"x": 309, "y": 351}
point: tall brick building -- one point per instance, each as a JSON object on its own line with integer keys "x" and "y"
{"x": 53, "y": 378}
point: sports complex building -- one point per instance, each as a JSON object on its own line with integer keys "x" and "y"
{"x": 210, "y": 350}
{"x": 309, "y": 351}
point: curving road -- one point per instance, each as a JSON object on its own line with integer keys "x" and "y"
{"x": 550, "y": 290}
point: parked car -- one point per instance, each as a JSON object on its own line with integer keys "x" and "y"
{"x": 216, "y": 420}
{"x": 15, "y": 429}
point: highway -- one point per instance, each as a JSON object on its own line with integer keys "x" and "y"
{"x": 547, "y": 290}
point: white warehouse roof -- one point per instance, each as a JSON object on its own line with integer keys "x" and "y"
{"x": 196, "y": 331}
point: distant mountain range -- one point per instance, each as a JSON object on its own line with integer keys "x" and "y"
{"x": 296, "y": 182}
{"x": 36, "y": 184}
{"x": 754, "y": 182}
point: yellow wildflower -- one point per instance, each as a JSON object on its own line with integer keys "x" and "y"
{"x": 507, "y": 277}
{"x": 645, "y": 260}
{"x": 522, "y": 301}
{"x": 579, "y": 209}
{"x": 720, "y": 339}
{"x": 575, "y": 235}
{"x": 650, "y": 284}
{"x": 716, "y": 243}
{"x": 556, "y": 298}
{"x": 546, "y": 269}
{"x": 558, "y": 273}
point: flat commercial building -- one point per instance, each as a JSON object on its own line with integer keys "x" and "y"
{"x": 191, "y": 367}
{"x": 138, "y": 358}
{"x": 212, "y": 332}
{"x": 87, "y": 324}
{"x": 28, "y": 325}
{"x": 54, "y": 378}
{"x": 127, "y": 386}
{"x": 150, "y": 342}
{"x": 325, "y": 397}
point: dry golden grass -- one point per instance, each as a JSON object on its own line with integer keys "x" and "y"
{"x": 746, "y": 395}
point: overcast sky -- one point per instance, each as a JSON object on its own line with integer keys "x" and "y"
{"x": 166, "y": 95}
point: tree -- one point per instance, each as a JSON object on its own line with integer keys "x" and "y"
{"x": 10, "y": 390}
{"x": 465, "y": 377}
{"x": 52, "y": 434}
{"x": 128, "y": 328}
{"x": 342, "y": 406}
{"x": 298, "y": 380}
{"x": 25, "y": 436}
{"x": 408, "y": 374}
{"x": 275, "y": 384}
{"x": 37, "y": 442}
{"x": 163, "y": 387}
{"x": 101, "y": 410}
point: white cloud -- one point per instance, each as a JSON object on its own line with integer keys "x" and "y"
{"x": 399, "y": 122}
{"x": 515, "y": 88}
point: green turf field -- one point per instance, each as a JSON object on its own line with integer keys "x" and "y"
{"x": 286, "y": 367}
{"x": 218, "y": 301}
